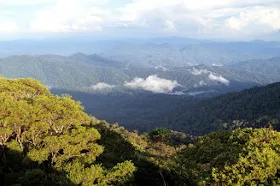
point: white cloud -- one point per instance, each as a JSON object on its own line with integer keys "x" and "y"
{"x": 102, "y": 86}
{"x": 218, "y": 78}
{"x": 24, "y": 2}
{"x": 153, "y": 84}
{"x": 200, "y": 84}
{"x": 255, "y": 20}
{"x": 169, "y": 25}
{"x": 216, "y": 65}
{"x": 163, "y": 68}
{"x": 199, "y": 18}
{"x": 70, "y": 16}
{"x": 235, "y": 23}
{"x": 178, "y": 93}
{"x": 40, "y": 2}
{"x": 198, "y": 72}
{"x": 196, "y": 5}
{"x": 200, "y": 92}
{"x": 8, "y": 27}
{"x": 211, "y": 75}
{"x": 209, "y": 18}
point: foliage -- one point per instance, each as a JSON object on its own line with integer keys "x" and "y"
{"x": 49, "y": 140}
{"x": 46, "y": 134}
{"x": 148, "y": 156}
{"x": 160, "y": 135}
{"x": 241, "y": 157}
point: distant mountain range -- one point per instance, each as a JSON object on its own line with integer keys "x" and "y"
{"x": 157, "y": 82}
{"x": 269, "y": 67}
{"x": 167, "y": 51}
{"x": 94, "y": 72}
{"x": 209, "y": 53}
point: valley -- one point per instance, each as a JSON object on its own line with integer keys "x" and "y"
{"x": 139, "y": 87}
{"x": 139, "y": 92}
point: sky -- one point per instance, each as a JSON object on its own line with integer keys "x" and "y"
{"x": 210, "y": 19}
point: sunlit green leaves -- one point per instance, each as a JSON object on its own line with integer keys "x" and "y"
{"x": 241, "y": 157}
{"x": 50, "y": 132}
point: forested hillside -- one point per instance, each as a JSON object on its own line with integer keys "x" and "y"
{"x": 239, "y": 157}
{"x": 59, "y": 72}
{"x": 255, "y": 107}
{"x": 93, "y": 73}
{"x": 140, "y": 111}
{"x": 270, "y": 67}
{"x": 49, "y": 140}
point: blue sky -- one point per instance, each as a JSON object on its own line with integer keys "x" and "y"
{"x": 219, "y": 19}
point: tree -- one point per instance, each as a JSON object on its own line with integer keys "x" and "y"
{"x": 54, "y": 132}
{"x": 160, "y": 135}
{"x": 240, "y": 157}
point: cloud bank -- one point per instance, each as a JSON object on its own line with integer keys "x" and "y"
{"x": 198, "y": 72}
{"x": 211, "y": 75}
{"x": 218, "y": 78}
{"x": 102, "y": 86}
{"x": 200, "y": 84}
{"x": 200, "y": 18}
{"x": 153, "y": 84}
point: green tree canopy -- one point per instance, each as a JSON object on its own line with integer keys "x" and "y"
{"x": 240, "y": 157}
{"x": 50, "y": 133}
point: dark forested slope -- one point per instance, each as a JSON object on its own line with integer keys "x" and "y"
{"x": 269, "y": 67}
{"x": 255, "y": 107}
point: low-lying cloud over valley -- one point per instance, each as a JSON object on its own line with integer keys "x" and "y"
{"x": 102, "y": 86}
{"x": 218, "y": 78}
{"x": 153, "y": 84}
